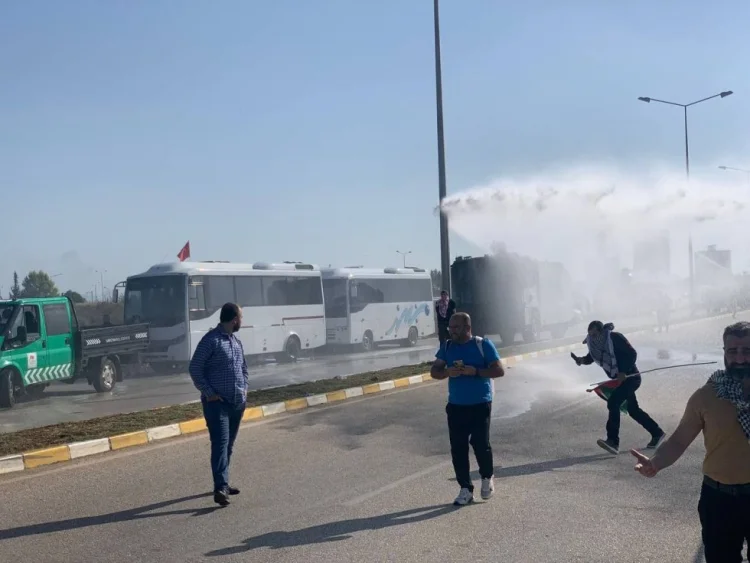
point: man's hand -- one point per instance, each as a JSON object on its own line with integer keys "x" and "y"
{"x": 455, "y": 371}
{"x": 576, "y": 359}
{"x": 621, "y": 377}
{"x": 644, "y": 466}
{"x": 469, "y": 370}
{"x": 213, "y": 399}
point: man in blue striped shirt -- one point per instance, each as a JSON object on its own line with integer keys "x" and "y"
{"x": 219, "y": 371}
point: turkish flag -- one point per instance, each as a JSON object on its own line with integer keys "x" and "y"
{"x": 184, "y": 254}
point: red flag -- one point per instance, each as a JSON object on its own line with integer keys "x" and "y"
{"x": 184, "y": 254}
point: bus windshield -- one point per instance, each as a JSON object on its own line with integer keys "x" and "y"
{"x": 334, "y": 292}
{"x": 158, "y": 300}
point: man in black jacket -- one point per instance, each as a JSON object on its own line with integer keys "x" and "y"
{"x": 612, "y": 351}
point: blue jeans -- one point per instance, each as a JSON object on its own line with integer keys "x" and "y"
{"x": 223, "y": 422}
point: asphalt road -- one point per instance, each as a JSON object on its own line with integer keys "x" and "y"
{"x": 63, "y": 402}
{"x": 370, "y": 481}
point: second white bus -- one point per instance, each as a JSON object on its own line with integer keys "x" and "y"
{"x": 367, "y": 307}
{"x": 283, "y": 313}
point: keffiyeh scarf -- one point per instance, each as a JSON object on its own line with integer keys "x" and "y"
{"x": 603, "y": 351}
{"x": 731, "y": 389}
{"x": 443, "y": 306}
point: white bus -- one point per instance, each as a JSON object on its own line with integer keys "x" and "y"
{"x": 367, "y": 307}
{"x": 283, "y": 311}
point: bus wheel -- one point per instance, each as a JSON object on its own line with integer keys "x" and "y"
{"x": 292, "y": 350}
{"x": 411, "y": 340}
{"x": 368, "y": 342}
{"x": 7, "y": 389}
{"x": 106, "y": 377}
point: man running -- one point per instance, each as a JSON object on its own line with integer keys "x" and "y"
{"x": 612, "y": 351}
{"x": 470, "y": 363}
{"x": 721, "y": 410}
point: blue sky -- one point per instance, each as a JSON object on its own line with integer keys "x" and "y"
{"x": 305, "y": 130}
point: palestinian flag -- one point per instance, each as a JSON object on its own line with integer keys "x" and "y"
{"x": 605, "y": 390}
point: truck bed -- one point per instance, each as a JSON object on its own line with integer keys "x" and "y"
{"x": 110, "y": 340}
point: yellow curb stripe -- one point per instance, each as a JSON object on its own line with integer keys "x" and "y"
{"x": 370, "y": 389}
{"x": 335, "y": 396}
{"x": 192, "y": 426}
{"x": 403, "y": 382}
{"x": 128, "y": 440}
{"x": 252, "y": 413}
{"x": 46, "y": 456}
{"x": 295, "y": 404}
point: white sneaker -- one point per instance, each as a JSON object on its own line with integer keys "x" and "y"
{"x": 488, "y": 487}
{"x": 464, "y": 497}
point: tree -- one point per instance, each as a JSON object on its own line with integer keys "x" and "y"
{"x": 74, "y": 296}
{"x": 15, "y": 290}
{"x": 38, "y": 284}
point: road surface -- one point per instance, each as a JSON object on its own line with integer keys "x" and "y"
{"x": 370, "y": 481}
{"x": 63, "y": 402}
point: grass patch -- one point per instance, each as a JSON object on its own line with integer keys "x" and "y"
{"x": 69, "y": 432}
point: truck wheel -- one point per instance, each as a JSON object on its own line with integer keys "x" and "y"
{"x": 105, "y": 379}
{"x": 7, "y": 390}
{"x": 507, "y": 337}
{"x": 559, "y": 332}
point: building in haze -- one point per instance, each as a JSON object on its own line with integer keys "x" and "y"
{"x": 712, "y": 265}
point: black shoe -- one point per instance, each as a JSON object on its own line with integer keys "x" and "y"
{"x": 221, "y": 498}
{"x": 656, "y": 441}
{"x": 233, "y": 490}
{"x": 611, "y": 447}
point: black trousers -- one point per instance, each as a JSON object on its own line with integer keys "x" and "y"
{"x": 626, "y": 392}
{"x": 470, "y": 424}
{"x": 443, "y": 333}
{"x": 725, "y": 522}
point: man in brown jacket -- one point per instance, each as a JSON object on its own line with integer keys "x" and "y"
{"x": 721, "y": 410}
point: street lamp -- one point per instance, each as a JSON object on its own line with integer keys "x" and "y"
{"x": 738, "y": 170}
{"x": 404, "y": 254}
{"x": 685, "y": 108}
{"x": 687, "y": 166}
{"x": 445, "y": 253}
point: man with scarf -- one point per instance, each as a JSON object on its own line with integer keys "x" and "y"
{"x": 721, "y": 410}
{"x": 612, "y": 351}
{"x": 445, "y": 307}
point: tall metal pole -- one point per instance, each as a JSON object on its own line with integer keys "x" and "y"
{"x": 690, "y": 234}
{"x": 445, "y": 253}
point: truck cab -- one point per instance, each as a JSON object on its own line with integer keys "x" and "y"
{"x": 41, "y": 342}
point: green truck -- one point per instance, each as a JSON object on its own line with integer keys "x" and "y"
{"x": 41, "y": 342}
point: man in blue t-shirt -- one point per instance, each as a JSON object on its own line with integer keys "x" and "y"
{"x": 470, "y": 364}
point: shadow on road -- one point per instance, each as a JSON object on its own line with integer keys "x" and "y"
{"x": 112, "y": 517}
{"x": 335, "y": 531}
{"x": 541, "y": 466}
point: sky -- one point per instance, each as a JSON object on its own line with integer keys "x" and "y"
{"x": 300, "y": 130}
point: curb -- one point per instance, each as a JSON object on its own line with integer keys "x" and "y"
{"x": 64, "y": 453}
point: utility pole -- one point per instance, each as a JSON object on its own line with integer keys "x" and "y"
{"x": 445, "y": 253}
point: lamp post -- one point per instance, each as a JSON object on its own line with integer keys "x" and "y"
{"x": 687, "y": 167}
{"x": 747, "y": 172}
{"x": 445, "y": 253}
{"x": 404, "y": 254}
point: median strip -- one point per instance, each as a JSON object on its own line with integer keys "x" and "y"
{"x": 36, "y": 447}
